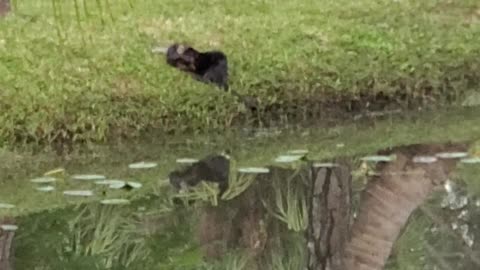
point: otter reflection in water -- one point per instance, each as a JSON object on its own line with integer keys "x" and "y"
{"x": 213, "y": 168}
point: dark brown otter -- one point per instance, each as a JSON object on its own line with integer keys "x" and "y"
{"x": 208, "y": 67}
{"x": 213, "y": 168}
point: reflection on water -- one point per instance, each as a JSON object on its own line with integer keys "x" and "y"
{"x": 184, "y": 207}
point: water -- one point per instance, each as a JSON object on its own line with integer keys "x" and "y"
{"x": 119, "y": 216}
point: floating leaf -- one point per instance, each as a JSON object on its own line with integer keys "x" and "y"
{"x": 8, "y": 227}
{"x": 470, "y": 160}
{"x": 452, "y": 154}
{"x": 187, "y": 160}
{"x": 6, "y": 205}
{"x": 325, "y": 165}
{"x": 142, "y": 165}
{"x": 288, "y": 158}
{"x": 55, "y": 171}
{"x": 379, "y": 158}
{"x": 84, "y": 193}
{"x": 254, "y": 170}
{"x": 88, "y": 177}
{"x": 43, "y": 180}
{"x": 117, "y": 185}
{"x": 298, "y": 152}
{"x": 134, "y": 184}
{"x": 424, "y": 159}
{"x": 110, "y": 182}
{"x": 115, "y": 201}
{"x": 45, "y": 188}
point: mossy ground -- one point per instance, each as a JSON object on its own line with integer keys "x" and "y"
{"x": 83, "y": 69}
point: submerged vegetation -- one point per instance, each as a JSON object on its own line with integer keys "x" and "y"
{"x": 82, "y": 70}
{"x": 145, "y": 234}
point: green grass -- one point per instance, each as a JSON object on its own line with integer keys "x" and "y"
{"x": 87, "y": 70}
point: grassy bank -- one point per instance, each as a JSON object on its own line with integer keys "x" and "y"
{"x": 84, "y": 68}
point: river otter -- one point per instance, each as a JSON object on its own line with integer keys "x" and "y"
{"x": 213, "y": 168}
{"x": 208, "y": 67}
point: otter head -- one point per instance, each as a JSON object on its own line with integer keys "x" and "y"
{"x": 182, "y": 57}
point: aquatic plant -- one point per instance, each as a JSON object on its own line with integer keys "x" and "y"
{"x": 290, "y": 204}
{"x": 107, "y": 231}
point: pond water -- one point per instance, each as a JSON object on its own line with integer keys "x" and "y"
{"x": 113, "y": 206}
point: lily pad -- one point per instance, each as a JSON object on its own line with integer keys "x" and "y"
{"x": 379, "y": 158}
{"x": 126, "y": 185}
{"x": 6, "y": 205}
{"x": 424, "y": 159}
{"x": 142, "y": 165}
{"x": 186, "y": 160}
{"x": 45, "y": 188}
{"x": 470, "y": 160}
{"x": 288, "y": 158}
{"x": 110, "y": 182}
{"x": 452, "y": 154}
{"x": 43, "y": 180}
{"x": 55, "y": 171}
{"x": 115, "y": 201}
{"x": 81, "y": 193}
{"x": 88, "y": 177}
{"x": 298, "y": 152}
{"x": 8, "y": 227}
{"x": 134, "y": 184}
{"x": 117, "y": 185}
{"x": 254, "y": 170}
{"x": 325, "y": 165}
